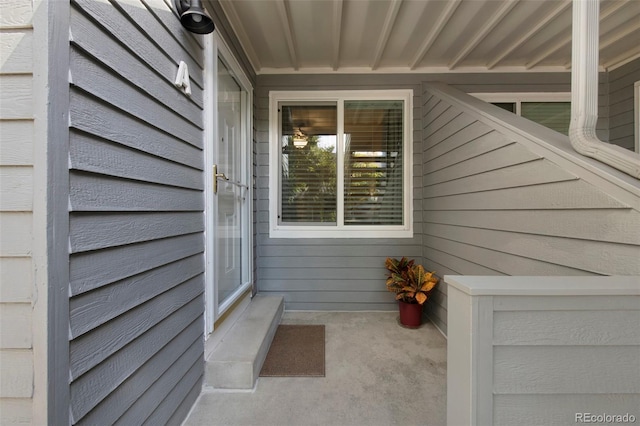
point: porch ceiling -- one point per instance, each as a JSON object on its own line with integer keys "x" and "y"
{"x": 321, "y": 36}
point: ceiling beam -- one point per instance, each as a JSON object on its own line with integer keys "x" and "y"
{"x": 389, "y": 21}
{"x": 287, "y": 26}
{"x": 622, "y": 59}
{"x": 631, "y": 26}
{"x": 236, "y": 24}
{"x": 524, "y": 38}
{"x": 435, "y": 31}
{"x": 615, "y": 6}
{"x": 548, "y": 52}
{"x": 337, "y": 33}
{"x": 483, "y": 32}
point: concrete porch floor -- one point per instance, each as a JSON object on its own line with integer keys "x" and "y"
{"x": 377, "y": 373}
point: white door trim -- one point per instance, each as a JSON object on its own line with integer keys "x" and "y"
{"x": 216, "y": 47}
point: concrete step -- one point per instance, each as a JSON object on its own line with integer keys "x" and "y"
{"x": 237, "y": 360}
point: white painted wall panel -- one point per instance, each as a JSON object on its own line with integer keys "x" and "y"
{"x": 557, "y": 346}
{"x": 16, "y": 373}
{"x": 16, "y": 92}
{"x": 15, "y": 325}
{"x": 16, "y": 188}
{"x": 16, "y": 143}
{"x": 16, "y": 218}
{"x": 558, "y": 410}
{"x": 16, "y": 50}
{"x": 16, "y": 275}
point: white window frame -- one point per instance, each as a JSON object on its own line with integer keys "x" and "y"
{"x": 341, "y": 230}
{"x": 519, "y": 98}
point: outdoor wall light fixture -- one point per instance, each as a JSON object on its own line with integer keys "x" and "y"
{"x": 300, "y": 139}
{"x": 194, "y": 17}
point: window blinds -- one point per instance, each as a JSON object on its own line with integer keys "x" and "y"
{"x": 372, "y": 152}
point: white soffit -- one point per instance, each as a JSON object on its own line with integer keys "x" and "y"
{"x": 396, "y": 36}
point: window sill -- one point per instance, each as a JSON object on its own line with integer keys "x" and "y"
{"x": 327, "y": 232}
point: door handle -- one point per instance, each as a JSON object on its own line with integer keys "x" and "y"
{"x": 217, "y": 175}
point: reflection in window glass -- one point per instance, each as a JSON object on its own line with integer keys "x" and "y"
{"x": 373, "y": 178}
{"x": 554, "y": 115}
{"x": 509, "y": 106}
{"x": 308, "y": 164}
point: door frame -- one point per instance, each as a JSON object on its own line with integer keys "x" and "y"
{"x": 215, "y": 47}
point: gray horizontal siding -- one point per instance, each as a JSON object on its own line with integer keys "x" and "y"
{"x": 548, "y": 353}
{"x": 491, "y": 206}
{"x": 136, "y": 215}
{"x": 621, "y": 107}
{"x": 463, "y": 170}
{"x": 325, "y": 274}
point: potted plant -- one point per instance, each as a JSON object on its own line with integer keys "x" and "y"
{"x": 412, "y": 285}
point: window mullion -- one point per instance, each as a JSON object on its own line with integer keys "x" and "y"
{"x": 340, "y": 165}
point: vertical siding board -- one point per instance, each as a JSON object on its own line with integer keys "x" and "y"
{"x": 16, "y": 52}
{"x": 499, "y": 158}
{"x": 517, "y": 175}
{"x": 121, "y": 29}
{"x": 128, "y": 326}
{"x": 95, "y": 308}
{"x": 541, "y": 227}
{"x": 94, "y": 231}
{"x": 567, "y": 328}
{"x": 187, "y": 363}
{"x": 16, "y": 92}
{"x": 110, "y": 54}
{"x": 88, "y": 76}
{"x": 548, "y": 367}
{"x": 188, "y": 384}
{"x": 94, "y": 269}
{"x": 89, "y": 192}
{"x": 16, "y": 143}
{"x": 191, "y": 42}
{"x": 93, "y": 155}
{"x": 157, "y": 33}
{"x": 362, "y": 286}
{"x": 93, "y": 387}
{"x": 136, "y": 221}
{"x": 118, "y": 402}
{"x": 91, "y": 116}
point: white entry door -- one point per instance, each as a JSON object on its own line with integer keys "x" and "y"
{"x": 228, "y": 200}
{"x": 231, "y": 190}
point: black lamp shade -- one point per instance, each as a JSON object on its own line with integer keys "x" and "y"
{"x": 194, "y": 17}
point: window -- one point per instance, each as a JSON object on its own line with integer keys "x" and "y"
{"x": 552, "y": 110}
{"x": 340, "y": 164}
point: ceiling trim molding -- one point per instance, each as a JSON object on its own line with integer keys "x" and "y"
{"x": 404, "y": 70}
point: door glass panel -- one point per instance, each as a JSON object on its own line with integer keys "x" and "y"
{"x": 230, "y": 196}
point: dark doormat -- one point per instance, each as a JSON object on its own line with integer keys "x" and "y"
{"x": 296, "y": 350}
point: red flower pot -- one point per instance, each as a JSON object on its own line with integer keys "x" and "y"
{"x": 410, "y": 314}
